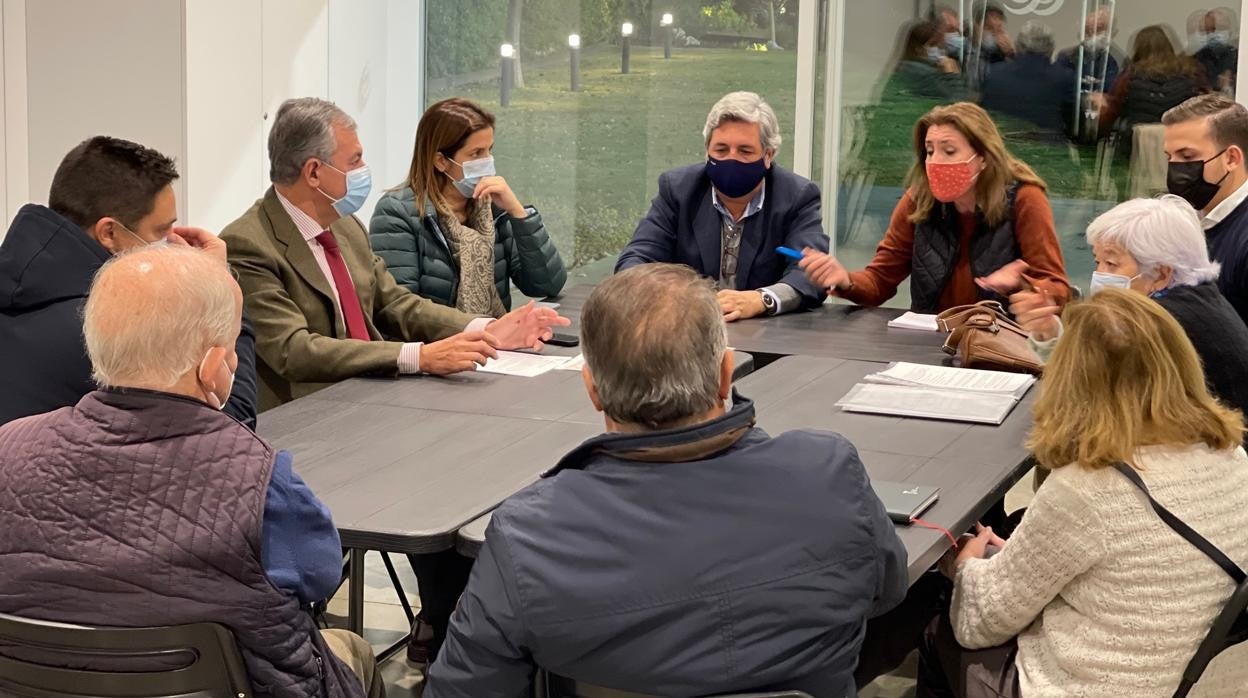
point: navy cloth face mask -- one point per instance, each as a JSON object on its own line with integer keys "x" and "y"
{"x": 734, "y": 178}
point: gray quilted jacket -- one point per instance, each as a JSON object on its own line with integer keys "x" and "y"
{"x": 414, "y": 249}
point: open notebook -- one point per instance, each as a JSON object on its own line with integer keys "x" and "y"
{"x": 938, "y": 392}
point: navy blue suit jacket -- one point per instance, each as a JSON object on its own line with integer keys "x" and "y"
{"x": 683, "y": 227}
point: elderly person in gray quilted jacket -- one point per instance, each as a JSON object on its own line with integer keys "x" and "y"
{"x": 455, "y": 232}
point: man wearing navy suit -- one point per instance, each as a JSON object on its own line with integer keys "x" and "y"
{"x": 725, "y": 217}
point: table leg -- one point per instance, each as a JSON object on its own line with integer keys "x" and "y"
{"x": 355, "y": 593}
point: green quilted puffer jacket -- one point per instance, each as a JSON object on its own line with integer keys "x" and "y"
{"x": 415, "y": 250}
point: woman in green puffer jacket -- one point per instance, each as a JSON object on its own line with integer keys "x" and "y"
{"x": 455, "y": 232}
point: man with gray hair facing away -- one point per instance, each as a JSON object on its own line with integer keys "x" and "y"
{"x": 726, "y": 217}
{"x": 144, "y": 505}
{"x": 685, "y": 551}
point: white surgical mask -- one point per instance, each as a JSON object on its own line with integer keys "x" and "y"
{"x": 1102, "y": 280}
{"x": 146, "y": 243}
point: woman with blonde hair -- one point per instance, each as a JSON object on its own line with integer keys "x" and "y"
{"x": 455, "y": 232}
{"x": 1094, "y": 594}
{"x": 971, "y": 209}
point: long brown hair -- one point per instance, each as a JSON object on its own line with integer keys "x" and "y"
{"x": 443, "y": 129}
{"x": 1124, "y": 376}
{"x": 1154, "y": 54}
{"x": 1001, "y": 169}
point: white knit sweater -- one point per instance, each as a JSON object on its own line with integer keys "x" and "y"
{"x": 1105, "y": 599}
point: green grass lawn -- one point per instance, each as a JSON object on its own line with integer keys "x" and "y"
{"x": 590, "y": 160}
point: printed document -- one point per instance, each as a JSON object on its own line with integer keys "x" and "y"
{"x": 514, "y": 363}
{"x": 914, "y": 321}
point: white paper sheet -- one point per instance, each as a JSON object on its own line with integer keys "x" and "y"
{"x": 915, "y": 321}
{"x": 514, "y": 363}
{"x": 573, "y": 363}
{"x": 909, "y": 401}
{"x": 957, "y": 379}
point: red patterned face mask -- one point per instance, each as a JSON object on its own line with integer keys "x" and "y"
{"x": 949, "y": 180}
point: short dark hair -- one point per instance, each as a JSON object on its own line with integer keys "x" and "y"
{"x": 105, "y": 176}
{"x": 1228, "y": 119}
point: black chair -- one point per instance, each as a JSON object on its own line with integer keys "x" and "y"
{"x": 204, "y": 657}
{"x": 1229, "y": 628}
{"x": 555, "y": 686}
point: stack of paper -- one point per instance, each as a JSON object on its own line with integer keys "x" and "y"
{"x": 515, "y": 363}
{"x": 574, "y": 363}
{"x": 939, "y": 392}
{"x": 914, "y": 321}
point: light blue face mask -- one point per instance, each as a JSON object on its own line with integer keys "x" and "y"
{"x": 935, "y": 54}
{"x": 474, "y": 172}
{"x": 953, "y": 43}
{"x": 1102, "y": 280}
{"x": 359, "y": 184}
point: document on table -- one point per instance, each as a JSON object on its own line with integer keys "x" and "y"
{"x": 514, "y": 363}
{"x": 930, "y": 403}
{"x": 1014, "y": 385}
{"x": 574, "y": 363}
{"x": 914, "y": 321}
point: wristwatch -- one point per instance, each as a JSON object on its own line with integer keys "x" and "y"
{"x": 770, "y": 303}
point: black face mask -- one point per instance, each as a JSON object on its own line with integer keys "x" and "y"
{"x": 1187, "y": 179}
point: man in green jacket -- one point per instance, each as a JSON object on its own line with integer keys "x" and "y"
{"x": 324, "y": 306}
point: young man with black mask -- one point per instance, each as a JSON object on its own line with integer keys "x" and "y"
{"x": 1206, "y": 141}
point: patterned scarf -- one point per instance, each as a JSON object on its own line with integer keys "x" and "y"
{"x": 473, "y": 248}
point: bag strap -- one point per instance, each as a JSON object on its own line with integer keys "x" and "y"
{"x": 1190, "y": 535}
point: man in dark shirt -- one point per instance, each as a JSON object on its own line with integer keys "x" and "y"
{"x": 1206, "y": 138}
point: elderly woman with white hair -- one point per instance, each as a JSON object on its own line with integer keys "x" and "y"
{"x": 726, "y": 216}
{"x": 1156, "y": 247}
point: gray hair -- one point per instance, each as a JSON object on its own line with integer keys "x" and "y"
{"x": 654, "y": 338}
{"x": 303, "y": 129}
{"x": 1036, "y": 37}
{"x": 1158, "y": 232}
{"x": 747, "y": 107}
{"x": 154, "y": 312}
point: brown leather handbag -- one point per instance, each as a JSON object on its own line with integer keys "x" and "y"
{"x": 984, "y": 336}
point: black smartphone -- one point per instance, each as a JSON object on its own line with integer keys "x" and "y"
{"x": 564, "y": 339}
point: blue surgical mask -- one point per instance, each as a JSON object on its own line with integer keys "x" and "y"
{"x": 1220, "y": 37}
{"x": 988, "y": 42}
{"x": 1102, "y": 280}
{"x": 474, "y": 172}
{"x": 935, "y": 54}
{"x": 1197, "y": 41}
{"x": 359, "y": 184}
{"x": 953, "y": 43}
{"x": 734, "y": 178}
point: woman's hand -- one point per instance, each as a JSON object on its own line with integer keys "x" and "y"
{"x": 1005, "y": 280}
{"x": 500, "y": 192}
{"x": 1037, "y": 312}
{"x": 824, "y": 270}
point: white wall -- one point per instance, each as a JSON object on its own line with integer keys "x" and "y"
{"x": 111, "y": 68}
{"x": 374, "y": 65}
{"x": 276, "y": 49}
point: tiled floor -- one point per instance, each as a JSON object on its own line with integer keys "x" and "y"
{"x": 385, "y": 621}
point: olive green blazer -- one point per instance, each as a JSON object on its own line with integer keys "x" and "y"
{"x": 301, "y": 341}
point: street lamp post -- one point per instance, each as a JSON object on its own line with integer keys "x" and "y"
{"x": 574, "y": 59}
{"x": 507, "y": 63}
{"x": 626, "y": 31}
{"x": 666, "y": 23}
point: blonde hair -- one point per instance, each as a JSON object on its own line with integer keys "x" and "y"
{"x": 1124, "y": 376}
{"x": 1001, "y": 169}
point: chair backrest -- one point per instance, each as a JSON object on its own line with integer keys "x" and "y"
{"x": 204, "y": 661}
{"x": 555, "y": 686}
{"x": 1229, "y": 628}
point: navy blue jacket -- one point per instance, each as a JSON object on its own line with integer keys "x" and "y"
{"x": 1228, "y": 245}
{"x": 46, "y": 267}
{"x": 751, "y": 562}
{"x": 1032, "y": 88}
{"x": 683, "y": 227}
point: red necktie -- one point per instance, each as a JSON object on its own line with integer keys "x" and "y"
{"x": 347, "y": 298}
